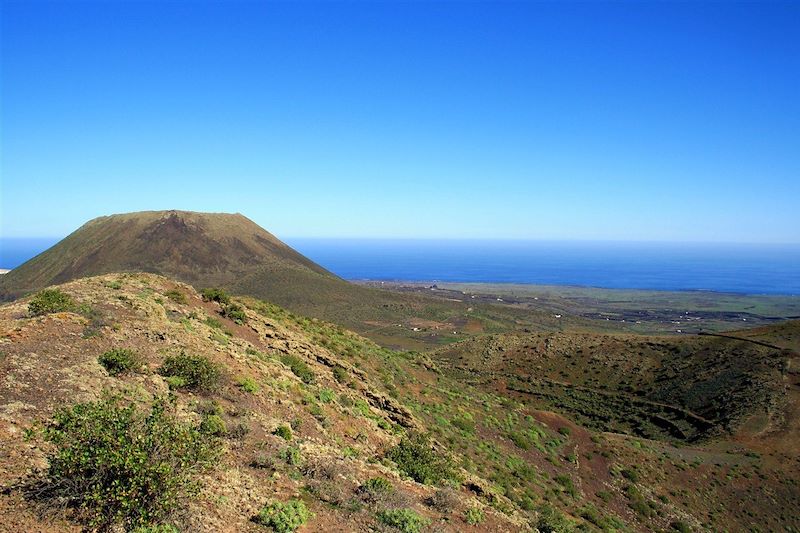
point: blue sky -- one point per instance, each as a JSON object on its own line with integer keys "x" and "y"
{"x": 623, "y": 121}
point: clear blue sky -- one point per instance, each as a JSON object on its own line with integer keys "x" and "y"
{"x": 630, "y": 121}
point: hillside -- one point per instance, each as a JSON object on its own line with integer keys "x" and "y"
{"x": 205, "y": 249}
{"x": 687, "y": 388}
{"x": 231, "y": 251}
{"x": 317, "y": 421}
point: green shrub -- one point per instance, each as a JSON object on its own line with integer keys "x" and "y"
{"x": 326, "y": 395}
{"x": 375, "y": 489}
{"x": 195, "y": 372}
{"x": 210, "y": 407}
{"x": 176, "y": 296}
{"x": 283, "y": 517}
{"x": 566, "y": 482}
{"x": 551, "y": 520}
{"x": 175, "y": 382}
{"x": 564, "y": 430}
{"x": 116, "y": 463}
{"x": 213, "y": 425}
{"x": 406, "y": 520}
{"x": 474, "y": 516}
{"x": 630, "y": 474}
{"x": 681, "y": 527}
{"x": 284, "y": 432}
{"x": 340, "y": 374}
{"x": 162, "y": 528}
{"x": 519, "y": 439}
{"x": 119, "y": 360}
{"x": 604, "y": 495}
{"x": 299, "y": 367}
{"x": 637, "y": 502}
{"x": 213, "y": 323}
{"x": 50, "y": 301}
{"x": 248, "y": 384}
{"x": 235, "y": 313}
{"x": 416, "y": 458}
{"x": 292, "y": 456}
{"x": 465, "y": 423}
{"x": 216, "y": 295}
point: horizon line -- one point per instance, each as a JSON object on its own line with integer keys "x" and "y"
{"x": 482, "y": 239}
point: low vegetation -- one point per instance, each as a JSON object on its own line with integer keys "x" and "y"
{"x": 375, "y": 489}
{"x": 50, "y": 301}
{"x": 216, "y": 295}
{"x": 473, "y": 516}
{"x": 416, "y": 458}
{"x": 299, "y": 368}
{"x": 176, "y": 296}
{"x": 114, "y": 462}
{"x": 405, "y": 520}
{"x": 119, "y": 361}
{"x": 194, "y": 372}
{"x": 283, "y": 517}
{"x": 234, "y": 313}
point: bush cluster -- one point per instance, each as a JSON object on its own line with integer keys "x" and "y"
{"x": 213, "y": 424}
{"x": 375, "y": 489}
{"x": 216, "y": 295}
{"x": 415, "y": 457}
{"x": 340, "y": 374}
{"x": 474, "y": 516}
{"x": 551, "y": 520}
{"x": 299, "y": 367}
{"x": 235, "y": 313}
{"x": 284, "y": 432}
{"x": 176, "y": 296}
{"x": 248, "y": 384}
{"x": 283, "y": 517}
{"x": 191, "y": 371}
{"x": 406, "y": 520}
{"x": 119, "y": 361}
{"x": 50, "y": 301}
{"x": 117, "y": 463}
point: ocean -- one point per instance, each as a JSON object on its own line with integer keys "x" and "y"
{"x": 739, "y": 268}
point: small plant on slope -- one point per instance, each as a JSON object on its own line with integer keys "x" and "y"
{"x": 116, "y": 463}
{"x": 50, "y": 301}
{"x": 216, "y": 295}
{"x": 119, "y": 361}
{"x": 416, "y": 458}
{"x": 191, "y": 372}
{"x": 406, "y": 520}
{"x": 473, "y": 516}
{"x": 283, "y": 517}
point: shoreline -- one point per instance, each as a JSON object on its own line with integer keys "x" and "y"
{"x": 514, "y": 285}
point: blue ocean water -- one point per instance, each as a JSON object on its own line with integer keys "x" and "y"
{"x": 752, "y": 269}
{"x": 15, "y": 251}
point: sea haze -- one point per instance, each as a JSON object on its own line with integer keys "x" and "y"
{"x": 741, "y": 268}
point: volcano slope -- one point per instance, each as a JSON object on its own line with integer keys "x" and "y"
{"x": 314, "y": 424}
{"x": 232, "y": 252}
